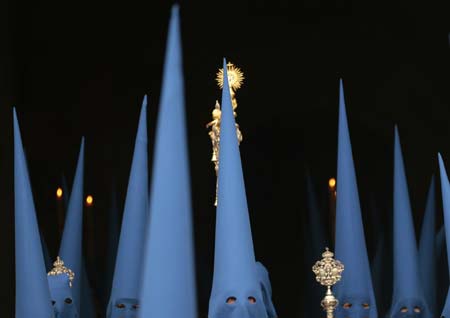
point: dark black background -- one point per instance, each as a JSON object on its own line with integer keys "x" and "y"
{"x": 77, "y": 69}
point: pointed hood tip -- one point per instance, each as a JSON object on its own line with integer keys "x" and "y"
{"x": 144, "y": 103}
{"x": 342, "y": 107}
{"x": 341, "y": 91}
{"x": 15, "y": 120}
{"x": 175, "y": 8}
{"x": 32, "y": 293}
{"x": 406, "y": 281}
{"x": 127, "y": 264}
{"x": 160, "y": 244}
{"x": 142, "y": 123}
{"x": 396, "y": 136}
{"x": 17, "y": 135}
{"x": 70, "y": 249}
{"x": 442, "y": 169}
{"x": 81, "y": 151}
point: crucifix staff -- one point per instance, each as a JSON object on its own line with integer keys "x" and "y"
{"x": 235, "y": 80}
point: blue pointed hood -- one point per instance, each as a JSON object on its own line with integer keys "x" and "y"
{"x": 32, "y": 292}
{"x": 356, "y": 285}
{"x": 60, "y": 291}
{"x": 127, "y": 273}
{"x": 407, "y": 288}
{"x": 168, "y": 288}
{"x": 235, "y": 277}
{"x": 70, "y": 249}
{"x": 427, "y": 254}
{"x": 86, "y": 302}
{"x": 445, "y": 189}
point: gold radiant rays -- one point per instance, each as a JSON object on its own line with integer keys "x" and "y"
{"x": 235, "y": 77}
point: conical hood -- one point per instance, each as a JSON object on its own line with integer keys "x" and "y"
{"x": 445, "y": 189}
{"x": 127, "y": 273}
{"x": 235, "y": 276}
{"x": 427, "y": 254}
{"x": 32, "y": 292}
{"x": 87, "y": 307}
{"x": 168, "y": 288}
{"x": 70, "y": 250}
{"x": 234, "y": 262}
{"x": 406, "y": 278}
{"x": 356, "y": 285}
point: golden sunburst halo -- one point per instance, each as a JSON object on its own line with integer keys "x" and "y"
{"x": 235, "y": 76}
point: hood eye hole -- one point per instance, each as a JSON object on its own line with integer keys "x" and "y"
{"x": 366, "y": 306}
{"x": 231, "y": 300}
{"x": 404, "y": 309}
{"x": 121, "y": 306}
{"x": 252, "y": 300}
{"x": 68, "y": 300}
{"x": 135, "y": 306}
{"x": 53, "y": 302}
{"x": 347, "y": 306}
{"x": 417, "y": 309}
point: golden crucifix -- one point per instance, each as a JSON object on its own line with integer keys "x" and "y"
{"x": 235, "y": 80}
